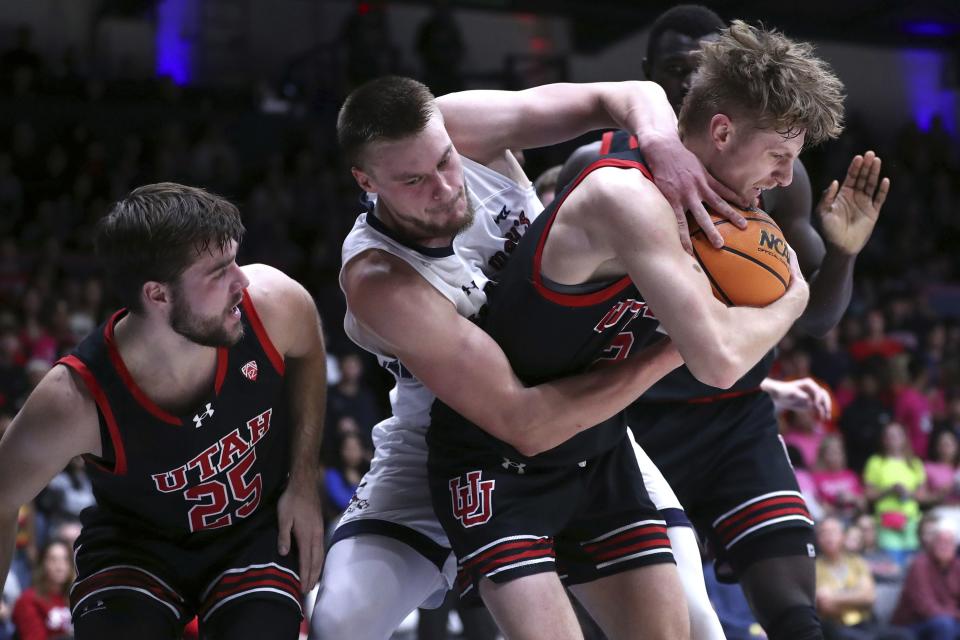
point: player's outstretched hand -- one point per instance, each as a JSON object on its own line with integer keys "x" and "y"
{"x": 299, "y": 511}
{"x": 687, "y": 186}
{"x": 804, "y": 394}
{"x": 848, "y": 212}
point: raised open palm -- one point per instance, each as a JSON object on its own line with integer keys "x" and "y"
{"x": 849, "y": 212}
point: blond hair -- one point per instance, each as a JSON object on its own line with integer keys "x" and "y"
{"x": 764, "y": 76}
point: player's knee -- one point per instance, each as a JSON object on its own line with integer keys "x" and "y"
{"x": 796, "y": 623}
{"x": 330, "y": 625}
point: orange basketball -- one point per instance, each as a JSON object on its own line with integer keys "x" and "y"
{"x": 752, "y": 268}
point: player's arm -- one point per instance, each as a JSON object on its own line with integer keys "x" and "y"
{"x": 848, "y": 213}
{"x": 58, "y": 422}
{"x": 483, "y": 124}
{"x": 719, "y": 344}
{"x": 291, "y": 320}
{"x": 466, "y": 368}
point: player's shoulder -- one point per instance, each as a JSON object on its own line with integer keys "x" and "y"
{"x": 377, "y": 279}
{"x": 280, "y": 301}
{"x": 620, "y": 188}
{"x": 63, "y": 393}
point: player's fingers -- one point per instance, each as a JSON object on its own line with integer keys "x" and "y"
{"x": 705, "y": 222}
{"x": 881, "y": 196}
{"x": 861, "y": 184}
{"x": 283, "y": 540}
{"x": 852, "y": 171}
{"x": 873, "y": 176}
{"x": 683, "y": 229}
{"x": 829, "y": 195}
{"x": 317, "y": 558}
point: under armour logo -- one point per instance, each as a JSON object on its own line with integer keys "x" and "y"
{"x": 500, "y": 217}
{"x": 250, "y": 370}
{"x": 510, "y": 464}
{"x": 811, "y": 550}
{"x": 198, "y": 419}
{"x": 467, "y": 288}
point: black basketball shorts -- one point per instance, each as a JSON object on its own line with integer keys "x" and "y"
{"x": 729, "y": 468}
{"x": 507, "y": 519}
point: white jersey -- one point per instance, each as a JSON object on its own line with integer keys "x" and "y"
{"x": 503, "y": 210}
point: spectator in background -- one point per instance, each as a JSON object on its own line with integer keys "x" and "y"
{"x": 942, "y": 468}
{"x": 829, "y": 361}
{"x": 341, "y": 480}
{"x": 863, "y": 419}
{"x": 930, "y": 601}
{"x": 441, "y": 50}
{"x": 883, "y": 566}
{"x": 802, "y": 430}
{"x": 839, "y": 489}
{"x": 845, "y": 589}
{"x": 913, "y": 407}
{"x": 353, "y": 398}
{"x": 876, "y": 342}
{"x": 69, "y": 493}
{"x": 42, "y": 612}
{"x": 894, "y": 480}
{"x": 546, "y": 184}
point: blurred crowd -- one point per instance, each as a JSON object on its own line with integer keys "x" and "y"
{"x": 882, "y": 475}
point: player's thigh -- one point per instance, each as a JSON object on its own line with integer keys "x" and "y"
{"x": 531, "y": 607}
{"x": 124, "y": 614}
{"x": 645, "y": 602}
{"x": 253, "y": 619}
{"x": 370, "y": 584}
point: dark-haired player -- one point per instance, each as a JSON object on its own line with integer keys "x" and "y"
{"x": 719, "y": 449}
{"x": 198, "y": 411}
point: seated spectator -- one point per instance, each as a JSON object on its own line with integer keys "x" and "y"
{"x": 845, "y": 589}
{"x": 863, "y": 419}
{"x": 942, "y": 468}
{"x": 43, "y": 612}
{"x": 808, "y": 488}
{"x": 930, "y": 601}
{"x": 876, "y": 342}
{"x": 894, "y": 481}
{"x": 353, "y": 397}
{"x": 68, "y": 493}
{"x": 914, "y": 404}
{"x": 883, "y": 566}
{"x": 802, "y": 430}
{"x": 838, "y": 488}
{"x": 341, "y": 480}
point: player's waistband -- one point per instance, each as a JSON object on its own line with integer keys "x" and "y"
{"x": 719, "y": 397}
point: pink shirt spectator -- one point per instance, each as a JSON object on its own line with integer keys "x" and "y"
{"x": 832, "y": 486}
{"x": 912, "y": 409}
{"x": 941, "y": 476}
{"x": 806, "y": 443}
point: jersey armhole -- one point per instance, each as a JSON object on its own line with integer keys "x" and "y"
{"x": 262, "y": 337}
{"x": 112, "y": 444}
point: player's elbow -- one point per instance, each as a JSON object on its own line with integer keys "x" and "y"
{"x": 717, "y": 366}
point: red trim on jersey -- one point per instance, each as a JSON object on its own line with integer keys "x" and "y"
{"x": 546, "y": 543}
{"x": 272, "y": 354}
{"x": 606, "y": 142}
{"x": 722, "y": 396}
{"x": 643, "y": 545}
{"x": 120, "y": 464}
{"x": 142, "y": 398}
{"x": 588, "y": 299}
{"x": 633, "y": 143}
{"x": 645, "y": 530}
{"x": 223, "y": 357}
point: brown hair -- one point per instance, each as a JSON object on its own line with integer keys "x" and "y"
{"x": 766, "y": 77}
{"x": 387, "y": 108}
{"x": 158, "y": 231}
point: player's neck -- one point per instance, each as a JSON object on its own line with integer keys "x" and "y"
{"x": 162, "y": 362}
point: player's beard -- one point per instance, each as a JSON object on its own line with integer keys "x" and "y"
{"x": 452, "y": 227}
{"x": 206, "y": 331}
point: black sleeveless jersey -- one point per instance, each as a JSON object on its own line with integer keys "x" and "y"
{"x": 211, "y": 468}
{"x": 680, "y": 385}
{"x": 547, "y": 333}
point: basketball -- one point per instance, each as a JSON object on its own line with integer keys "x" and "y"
{"x": 752, "y": 268}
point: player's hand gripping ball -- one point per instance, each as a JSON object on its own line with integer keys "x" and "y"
{"x": 752, "y": 268}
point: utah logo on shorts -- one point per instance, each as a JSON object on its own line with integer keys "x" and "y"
{"x": 472, "y": 504}
{"x": 250, "y": 370}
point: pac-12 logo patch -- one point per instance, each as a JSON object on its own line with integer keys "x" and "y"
{"x": 473, "y": 503}
{"x": 250, "y": 370}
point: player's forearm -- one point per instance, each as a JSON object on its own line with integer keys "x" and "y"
{"x": 745, "y": 335}
{"x": 307, "y": 397}
{"x": 551, "y": 413}
{"x": 830, "y": 291}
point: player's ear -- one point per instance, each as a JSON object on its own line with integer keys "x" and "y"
{"x": 363, "y": 179}
{"x": 721, "y": 130}
{"x": 154, "y": 293}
